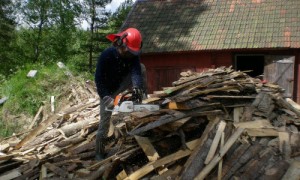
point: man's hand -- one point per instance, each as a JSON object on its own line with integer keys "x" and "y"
{"x": 108, "y": 102}
{"x": 137, "y": 95}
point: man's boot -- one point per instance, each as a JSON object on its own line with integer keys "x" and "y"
{"x": 100, "y": 149}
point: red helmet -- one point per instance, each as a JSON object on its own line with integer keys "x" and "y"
{"x": 131, "y": 38}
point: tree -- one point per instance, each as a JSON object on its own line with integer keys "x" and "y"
{"x": 118, "y": 18}
{"x": 7, "y": 26}
{"x": 94, "y": 13}
{"x": 36, "y": 16}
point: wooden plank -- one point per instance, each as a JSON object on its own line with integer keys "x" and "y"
{"x": 293, "y": 172}
{"x": 147, "y": 147}
{"x": 284, "y": 144}
{"x": 149, "y": 150}
{"x": 261, "y": 132}
{"x": 43, "y": 173}
{"x": 277, "y": 171}
{"x": 177, "y": 106}
{"x": 168, "y": 119}
{"x": 161, "y": 162}
{"x": 293, "y": 103}
{"x": 58, "y": 171}
{"x": 40, "y": 128}
{"x": 220, "y": 167}
{"x": 206, "y": 170}
{"x": 190, "y": 167}
{"x": 150, "y": 100}
{"x": 215, "y": 142}
{"x": 206, "y": 91}
{"x": 122, "y": 175}
{"x": 254, "y": 124}
{"x": 237, "y": 113}
{"x": 52, "y": 101}
{"x": 11, "y": 174}
{"x": 36, "y": 117}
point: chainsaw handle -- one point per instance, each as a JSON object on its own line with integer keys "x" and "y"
{"x": 123, "y": 96}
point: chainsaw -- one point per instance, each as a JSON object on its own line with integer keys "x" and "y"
{"x": 124, "y": 103}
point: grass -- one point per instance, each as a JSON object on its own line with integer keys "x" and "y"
{"x": 26, "y": 95}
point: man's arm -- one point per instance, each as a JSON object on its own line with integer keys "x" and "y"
{"x": 136, "y": 74}
{"x": 100, "y": 76}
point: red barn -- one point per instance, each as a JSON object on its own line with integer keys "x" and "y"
{"x": 258, "y": 35}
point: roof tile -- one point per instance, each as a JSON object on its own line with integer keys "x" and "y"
{"x": 188, "y": 25}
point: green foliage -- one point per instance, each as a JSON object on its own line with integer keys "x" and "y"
{"x": 7, "y": 26}
{"x": 48, "y": 34}
{"x": 26, "y": 95}
{"x": 117, "y": 19}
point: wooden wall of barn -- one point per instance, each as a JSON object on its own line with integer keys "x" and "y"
{"x": 163, "y": 69}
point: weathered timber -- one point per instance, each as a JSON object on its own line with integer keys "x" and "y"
{"x": 293, "y": 172}
{"x": 215, "y": 142}
{"x": 218, "y": 71}
{"x": 161, "y": 162}
{"x": 255, "y": 165}
{"x": 73, "y": 128}
{"x": 206, "y": 170}
{"x": 244, "y": 153}
{"x": 67, "y": 142}
{"x": 168, "y": 119}
{"x": 203, "y": 92}
{"x": 36, "y": 117}
{"x": 98, "y": 173}
{"x": 11, "y": 174}
{"x": 276, "y": 171}
{"x": 190, "y": 168}
{"x": 147, "y": 147}
{"x": 198, "y": 82}
{"x": 58, "y": 171}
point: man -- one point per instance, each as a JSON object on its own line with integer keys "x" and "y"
{"x": 118, "y": 68}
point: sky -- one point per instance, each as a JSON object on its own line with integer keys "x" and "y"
{"x": 112, "y": 7}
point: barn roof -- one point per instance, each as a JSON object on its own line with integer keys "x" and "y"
{"x": 192, "y": 25}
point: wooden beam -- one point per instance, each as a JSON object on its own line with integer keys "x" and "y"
{"x": 36, "y": 117}
{"x": 147, "y": 147}
{"x": 221, "y": 161}
{"x": 261, "y": 132}
{"x": 206, "y": 170}
{"x": 293, "y": 172}
{"x": 43, "y": 173}
{"x": 191, "y": 167}
{"x": 58, "y": 171}
{"x": 284, "y": 145}
{"x": 254, "y": 124}
{"x": 215, "y": 142}
{"x": 11, "y": 174}
{"x": 163, "y": 161}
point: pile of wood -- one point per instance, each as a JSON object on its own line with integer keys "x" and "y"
{"x": 218, "y": 124}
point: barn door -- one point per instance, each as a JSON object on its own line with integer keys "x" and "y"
{"x": 280, "y": 70}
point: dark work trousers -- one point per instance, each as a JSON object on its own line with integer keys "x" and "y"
{"x": 105, "y": 116}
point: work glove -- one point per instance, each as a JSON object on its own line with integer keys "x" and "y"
{"x": 108, "y": 102}
{"x": 137, "y": 95}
